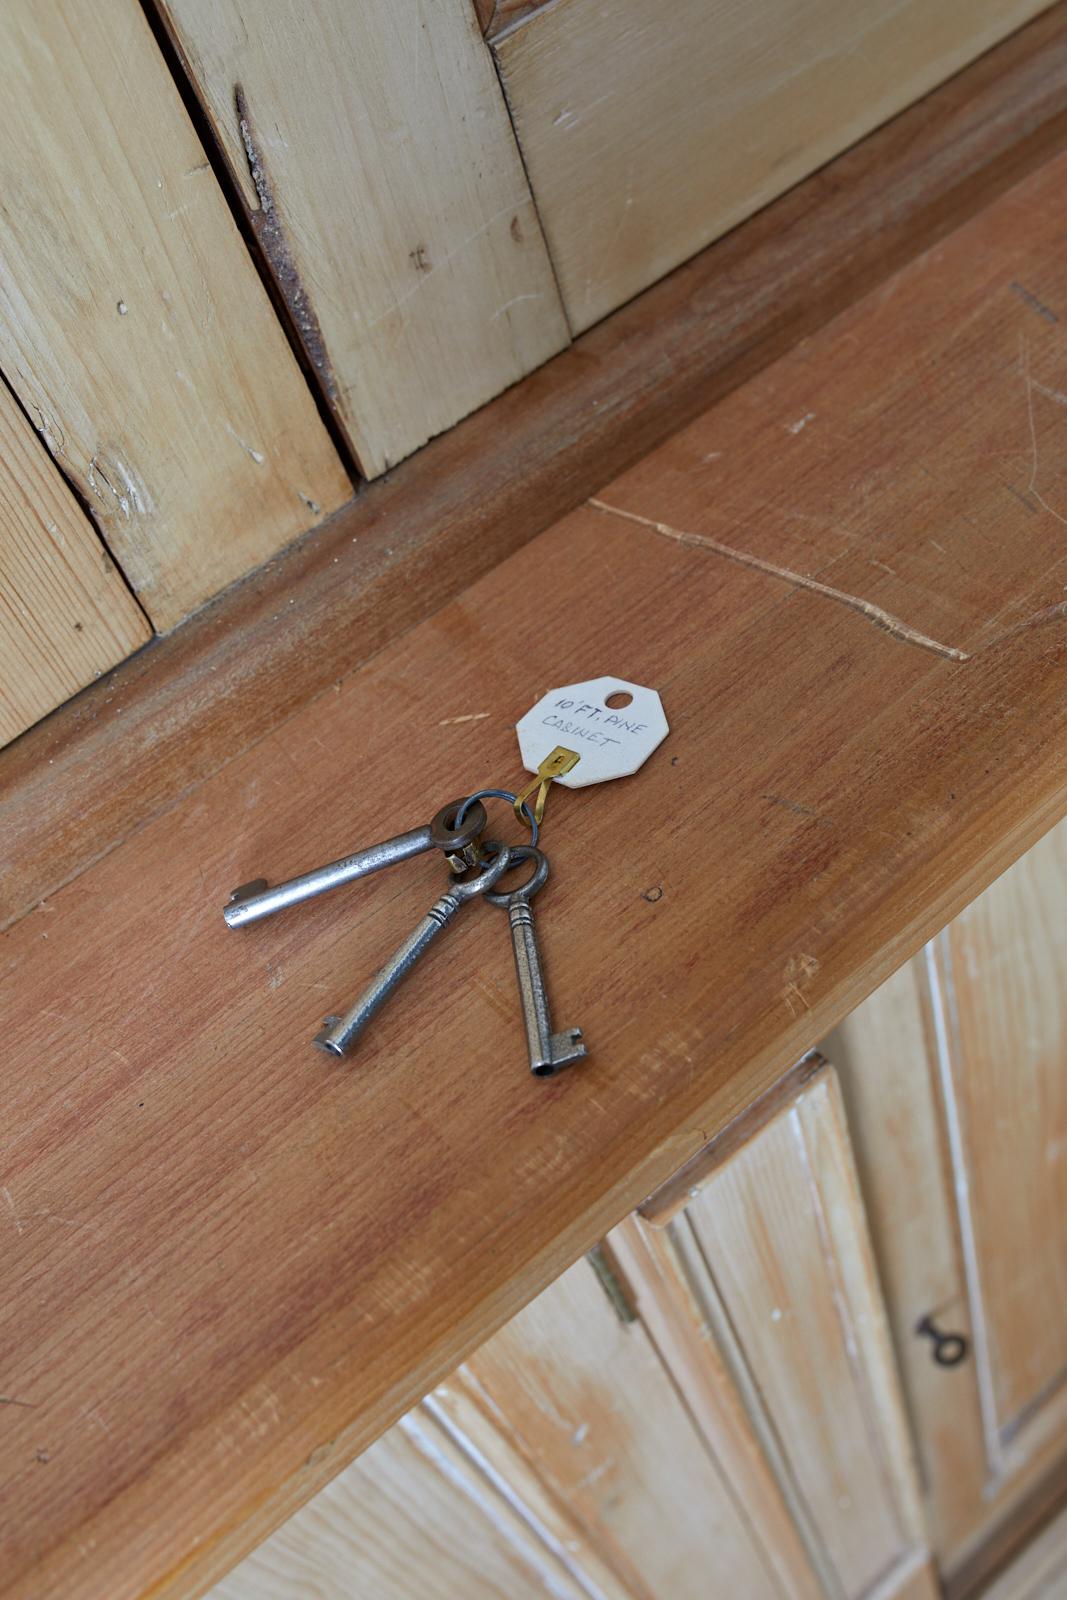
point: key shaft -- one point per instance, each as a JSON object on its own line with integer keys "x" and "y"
{"x": 549, "y": 1051}
{"x": 258, "y": 899}
{"x": 339, "y": 1033}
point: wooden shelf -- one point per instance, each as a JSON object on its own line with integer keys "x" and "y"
{"x": 233, "y": 1263}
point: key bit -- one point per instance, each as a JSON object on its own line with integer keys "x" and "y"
{"x": 246, "y": 891}
{"x": 549, "y": 1052}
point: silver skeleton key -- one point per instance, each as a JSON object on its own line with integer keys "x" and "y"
{"x": 340, "y": 1033}
{"x": 548, "y": 1051}
{"x": 256, "y": 899}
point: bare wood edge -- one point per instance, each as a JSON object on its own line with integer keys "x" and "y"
{"x": 662, "y": 1206}
{"x": 80, "y": 782}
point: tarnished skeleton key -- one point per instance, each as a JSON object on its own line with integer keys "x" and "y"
{"x": 548, "y": 1051}
{"x": 256, "y": 899}
{"x": 340, "y": 1033}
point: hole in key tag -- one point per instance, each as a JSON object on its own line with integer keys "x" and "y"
{"x": 613, "y": 726}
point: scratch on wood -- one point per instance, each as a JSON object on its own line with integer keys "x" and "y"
{"x": 9, "y": 1201}
{"x": 270, "y": 232}
{"x": 472, "y": 716}
{"x": 1024, "y": 367}
{"x": 866, "y": 608}
{"x": 797, "y": 809}
{"x": 1028, "y": 297}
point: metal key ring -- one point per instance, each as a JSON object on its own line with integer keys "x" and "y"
{"x": 445, "y": 831}
{"x": 498, "y": 794}
{"x": 522, "y": 852}
{"x": 500, "y": 858}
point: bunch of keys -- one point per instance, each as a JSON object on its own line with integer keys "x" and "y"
{"x": 610, "y": 746}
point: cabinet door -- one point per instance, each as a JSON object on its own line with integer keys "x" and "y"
{"x": 560, "y": 1460}
{"x": 955, "y": 1078}
{"x": 724, "y": 1422}
{"x": 414, "y": 1518}
{"x": 765, "y": 1250}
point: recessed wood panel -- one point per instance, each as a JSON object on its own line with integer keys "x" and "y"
{"x": 999, "y": 971}
{"x": 591, "y": 1403}
{"x": 647, "y": 132}
{"x": 883, "y": 1053}
{"x": 65, "y": 614}
{"x": 775, "y": 1248}
{"x": 413, "y": 1519}
{"x": 133, "y": 325}
{"x": 954, "y": 1074}
{"x": 373, "y": 151}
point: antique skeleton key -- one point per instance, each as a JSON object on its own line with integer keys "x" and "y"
{"x": 338, "y": 1034}
{"x": 460, "y": 844}
{"x": 548, "y": 1051}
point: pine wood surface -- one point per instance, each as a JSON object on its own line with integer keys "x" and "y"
{"x": 412, "y": 1519}
{"x": 644, "y": 142}
{"x": 885, "y": 1054}
{"x": 372, "y": 150}
{"x": 1040, "y": 1571}
{"x": 65, "y": 614}
{"x": 962, "y": 1164}
{"x": 1001, "y": 968}
{"x": 76, "y": 785}
{"x": 771, "y": 1259}
{"x": 592, "y": 1404}
{"x": 133, "y": 325}
{"x": 287, "y": 1252}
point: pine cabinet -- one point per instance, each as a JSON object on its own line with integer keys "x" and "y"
{"x": 825, "y": 1360}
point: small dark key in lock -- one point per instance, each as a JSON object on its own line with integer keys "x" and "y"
{"x": 949, "y": 1348}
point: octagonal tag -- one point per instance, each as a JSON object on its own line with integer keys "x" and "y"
{"x": 611, "y": 739}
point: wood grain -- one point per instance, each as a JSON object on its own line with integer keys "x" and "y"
{"x": 593, "y": 1407}
{"x": 999, "y": 972}
{"x": 775, "y": 1248}
{"x": 645, "y": 142}
{"x": 133, "y": 325}
{"x": 884, "y": 1053}
{"x": 190, "y": 1181}
{"x": 372, "y": 150}
{"x": 77, "y": 785}
{"x": 655, "y": 1275}
{"x": 412, "y": 1519}
{"x": 65, "y": 614}
{"x": 1040, "y": 1572}
{"x": 961, "y": 1169}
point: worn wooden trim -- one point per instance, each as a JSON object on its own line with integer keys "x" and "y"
{"x": 671, "y": 1197}
{"x": 81, "y": 781}
{"x": 973, "y": 1576}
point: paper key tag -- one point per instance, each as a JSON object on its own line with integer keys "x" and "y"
{"x": 611, "y": 740}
